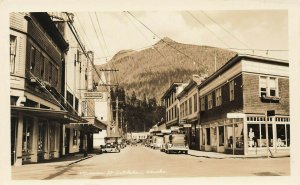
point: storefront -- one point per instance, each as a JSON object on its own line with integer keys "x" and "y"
{"x": 247, "y": 136}
{"x": 36, "y": 134}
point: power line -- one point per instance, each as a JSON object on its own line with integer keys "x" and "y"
{"x": 208, "y": 29}
{"x": 243, "y": 43}
{"x": 163, "y": 39}
{"x": 106, "y": 46}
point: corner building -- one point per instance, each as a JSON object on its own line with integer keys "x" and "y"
{"x": 233, "y": 105}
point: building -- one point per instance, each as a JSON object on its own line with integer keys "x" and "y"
{"x": 234, "y": 102}
{"x": 172, "y": 104}
{"x": 189, "y": 111}
{"x": 38, "y": 109}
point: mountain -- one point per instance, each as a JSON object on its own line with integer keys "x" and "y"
{"x": 150, "y": 71}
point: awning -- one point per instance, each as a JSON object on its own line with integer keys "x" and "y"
{"x": 59, "y": 115}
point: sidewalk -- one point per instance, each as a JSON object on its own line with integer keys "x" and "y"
{"x": 216, "y": 155}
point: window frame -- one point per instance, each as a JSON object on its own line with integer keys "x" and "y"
{"x": 268, "y": 88}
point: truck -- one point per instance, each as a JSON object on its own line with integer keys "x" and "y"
{"x": 177, "y": 144}
{"x": 111, "y": 145}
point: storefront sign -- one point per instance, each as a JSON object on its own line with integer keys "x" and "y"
{"x": 235, "y": 115}
{"x": 187, "y": 125}
{"x": 93, "y": 95}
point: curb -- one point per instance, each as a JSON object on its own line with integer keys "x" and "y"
{"x": 79, "y": 160}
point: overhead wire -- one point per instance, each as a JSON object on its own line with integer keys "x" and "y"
{"x": 168, "y": 44}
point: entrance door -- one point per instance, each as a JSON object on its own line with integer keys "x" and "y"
{"x": 41, "y": 141}
{"x": 13, "y": 138}
{"x": 67, "y": 141}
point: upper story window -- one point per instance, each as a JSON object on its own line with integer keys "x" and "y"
{"x": 202, "y": 103}
{"x": 231, "y": 90}
{"x": 32, "y": 58}
{"x": 218, "y": 97}
{"x": 13, "y": 52}
{"x": 195, "y": 103}
{"x": 268, "y": 86}
{"x": 42, "y": 66}
{"x": 190, "y": 105}
{"x": 209, "y": 101}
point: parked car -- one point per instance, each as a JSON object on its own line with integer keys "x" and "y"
{"x": 158, "y": 141}
{"x": 177, "y": 144}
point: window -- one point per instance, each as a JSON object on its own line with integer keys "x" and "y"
{"x": 218, "y": 97}
{"x": 76, "y": 104}
{"x": 32, "y": 58}
{"x": 221, "y": 135}
{"x": 231, "y": 90}
{"x": 202, "y": 101}
{"x": 209, "y": 101}
{"x": 190, "y": 106}
{"x": 42, "y": 67}
{"x": 75, "y": 137}
{"x": 13, "y": 52}
{"x": 195, "y": 102}
{"x": 268, "y": 86}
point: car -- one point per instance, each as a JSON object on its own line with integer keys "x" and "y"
{"x": 109, "y": 147}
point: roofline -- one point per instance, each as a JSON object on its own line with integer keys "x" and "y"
{"x": 174, "y": 84}
{"x": 191, "y": 84}
{"x": 237, "y": 58}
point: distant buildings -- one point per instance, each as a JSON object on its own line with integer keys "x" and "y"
{"x": 229, "y": 113}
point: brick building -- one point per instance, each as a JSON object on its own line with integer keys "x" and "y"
{"x": 233, "y": 105}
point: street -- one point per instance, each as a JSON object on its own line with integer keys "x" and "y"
{"x": 140, "y": 161}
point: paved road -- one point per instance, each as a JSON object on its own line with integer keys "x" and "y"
{"x": 138, "y": 162}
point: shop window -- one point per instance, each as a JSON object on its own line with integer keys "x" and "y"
{"x": 75, "y": 137}
{"x": 13, "y": 53}
{"x": 253, "y": 135}
{"x": 207, "y": 136}
{"x": 229, "y": 136}
{"x": 202, "y": 101}
{"x": 52, "y": 137}
{"x": 268, "y": 86}
{"x": 218, "y": 97}
{"x": 209, "y": 101}
{"x": 27, "y": 135}
{"x": 239, "y": 135}
{"x": 231, "y": 90}
{"x": 32, "y": 58}
{"x": 281, "y": 135}
{"x": 262, "y": 142}
{"x": 195, "y": 103}
{"x": 221, "y": 136}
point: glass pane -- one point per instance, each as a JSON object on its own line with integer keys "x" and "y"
{"x": 239, "y": 135}
{"x": 253, "y": 135}
{"x": 272, "y": 83}
{"x": 281, "y": 137}
{"x": 288, "y": 134}
{"x": 208, "y": 136}
{"x": 263, "y": 81}
{"x": 229, "y": 136}
{"x": 221, "y": 136}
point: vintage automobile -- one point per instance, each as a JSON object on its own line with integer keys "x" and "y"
{"x": 177, "y": 144}
{"x": 111, "y": 145}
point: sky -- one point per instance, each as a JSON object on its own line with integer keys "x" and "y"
{"x": 248, "y": 31}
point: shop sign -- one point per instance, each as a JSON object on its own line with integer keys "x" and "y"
{"x": 93, "y": 95}
{"x": 187, "y": 125}
{"x": 235, "y": 115}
